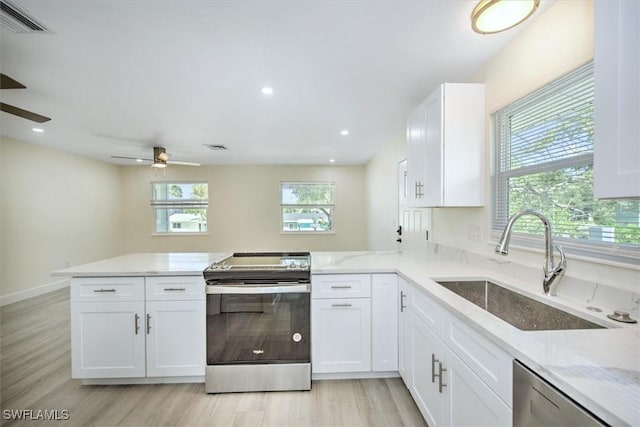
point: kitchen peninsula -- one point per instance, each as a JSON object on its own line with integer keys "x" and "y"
{"x": 598, "y": 368}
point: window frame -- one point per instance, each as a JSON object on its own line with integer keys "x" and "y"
{"x": 603, "y": 252}
{"x": 283, "y": 206}
{"x": 185, "y": 203}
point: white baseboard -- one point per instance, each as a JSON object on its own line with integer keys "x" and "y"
{"x": 33, "y": 292}
{"x": 145, "y": 380}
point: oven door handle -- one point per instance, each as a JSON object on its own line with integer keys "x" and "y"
{"x": 276, "y": 288}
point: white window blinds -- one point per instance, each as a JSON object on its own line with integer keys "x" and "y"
{"x": 544, "y": 161}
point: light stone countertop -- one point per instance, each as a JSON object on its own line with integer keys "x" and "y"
{"x": 146, "y": 264}
{"x": 599, "y": 368}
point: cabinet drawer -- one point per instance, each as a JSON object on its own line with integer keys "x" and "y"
{"x": 99, "y": 289}
{"x": 489, "y": 362}
{"x": 341, "y": 286}
{"x": 426, "y": 309}
{"x": 175, "y": 288}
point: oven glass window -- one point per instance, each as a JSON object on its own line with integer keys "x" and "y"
{"x": 258, "y": 328}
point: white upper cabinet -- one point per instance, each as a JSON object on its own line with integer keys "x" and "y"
{"x": 445, "y": 148}
{"x": 416, "y": 155}
{"x": 617, "y": 99}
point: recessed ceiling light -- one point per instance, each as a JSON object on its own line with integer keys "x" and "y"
{"x": 344, "y": 132}
{"x": 267, "y": 90}
{"x": 332, "y": 160}
{"x": 38, "y": 130}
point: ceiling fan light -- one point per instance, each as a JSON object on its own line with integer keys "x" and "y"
{"x": 494, "y": 16}
{"x": 159, "y": 165}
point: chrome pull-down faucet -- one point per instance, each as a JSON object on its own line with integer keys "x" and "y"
{"x": 552, "y": 273}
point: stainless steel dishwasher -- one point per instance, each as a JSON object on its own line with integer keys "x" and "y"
{"x": 537, "y": 403}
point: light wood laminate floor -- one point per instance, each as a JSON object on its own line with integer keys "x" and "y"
{"x": 35, "y": 366}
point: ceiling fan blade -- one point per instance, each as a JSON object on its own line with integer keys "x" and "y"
{"x": 23, "y": 113}
{"x": 131, "y": 158}
{"x": 177, "y": 162}
{"x": 7, "y": 82}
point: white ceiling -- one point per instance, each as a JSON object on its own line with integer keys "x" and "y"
{"x": 121, "y": 76}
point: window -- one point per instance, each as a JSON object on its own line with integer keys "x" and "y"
{"x": 180, "y": 207}
{"x": 307, "y": 207}
{"x": 544, "y": 161}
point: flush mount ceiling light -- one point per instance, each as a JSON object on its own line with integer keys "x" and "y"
{"x": 267, "y": 90}
{"x": 37, "y": 130}
{"x": 494, "y": 16}
{"x": 344, "y": 132}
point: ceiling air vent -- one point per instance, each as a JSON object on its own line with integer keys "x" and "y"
{"x": 215, "y": 147}
{"x": 16, "y": 20}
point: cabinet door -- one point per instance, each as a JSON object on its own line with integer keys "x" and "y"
{"x": 416, "y": 156}
{"x": 434, "y": 185}
{"x": 175, "y": 338}
{"x": 617, "y": 99}
{"x": 404, "y": 333}
{"x": 384, "y": 322}
{"x": 107, "y": 340}
{"x": 467, "y": 400}
{"x": 426, "y": 355}
{"x": 341, "y": 335}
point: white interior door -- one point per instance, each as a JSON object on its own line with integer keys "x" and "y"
{"x": 415, "y": 222}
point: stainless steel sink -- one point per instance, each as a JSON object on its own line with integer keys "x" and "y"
{"x": 518, "y": 310}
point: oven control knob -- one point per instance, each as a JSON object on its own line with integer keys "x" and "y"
{"x": 297, "y": 337}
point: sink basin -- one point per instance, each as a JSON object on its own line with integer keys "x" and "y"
{"x": 518, "y": 310}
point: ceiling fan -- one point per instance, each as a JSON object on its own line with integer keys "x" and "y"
{"x": 7, "y": 82}
{"x": 160, "y": 159}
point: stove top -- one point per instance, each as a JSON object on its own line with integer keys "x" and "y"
{"x": 267, "y": 267}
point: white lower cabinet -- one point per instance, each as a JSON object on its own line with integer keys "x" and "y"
{"x": 107, "y": 339}
{"x": 175, "y": 338}
{"x": 405, "y": 343}
{"x": 384, "y": 322}
{"x": 455, "y": 375}
{"x": 467, "y": 400}
{"x": 354, "y": 323}
{"x": 425, "y": 365}
{"x": 116, "y": 333}
{"x": 341, "y": 331}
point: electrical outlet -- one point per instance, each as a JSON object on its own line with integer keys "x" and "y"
{"x": 474, "y": 232}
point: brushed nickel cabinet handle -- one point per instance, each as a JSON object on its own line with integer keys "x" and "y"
{"x": 402, "y": 306}
{"x": 341, "y": 305}
{"x": 148, "y": 323}
{"x": 433, "y": 367}
{"x": 175, "y": 289}
{"x": 101, "y": 290}
{"x": 341, "y": 287}
{"x": 441, "y": 384}
{"x": 136, "y": 323}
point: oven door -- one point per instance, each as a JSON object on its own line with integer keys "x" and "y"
{"x": 258, "y": 324}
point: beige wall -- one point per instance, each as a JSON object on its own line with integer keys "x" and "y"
{"x": 382, "y": 193}
{"x": 58, "y": 209}
{"x": 244, "y": 209}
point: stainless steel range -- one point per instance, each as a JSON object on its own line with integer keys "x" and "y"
{"x": 258, "y": 323}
